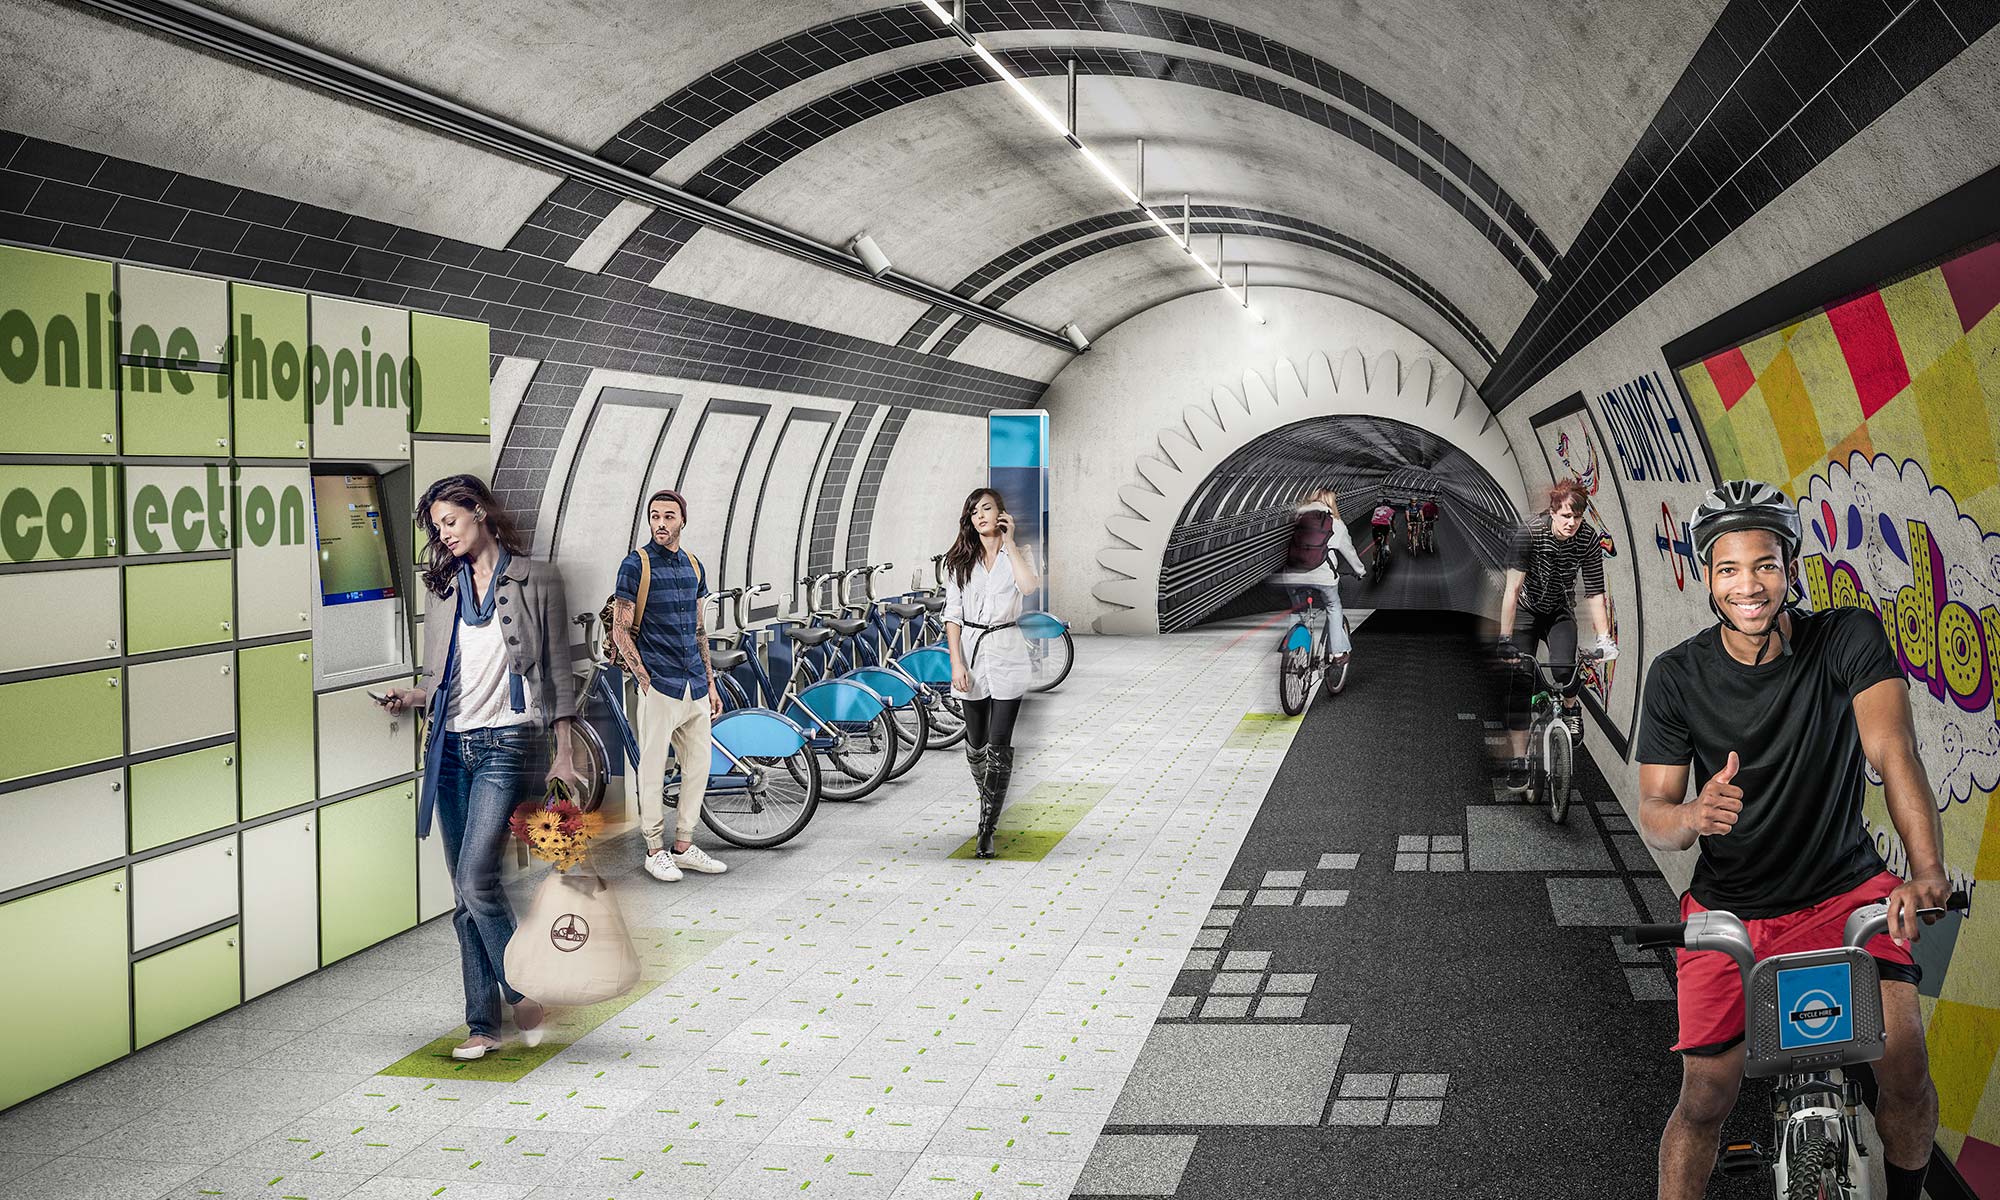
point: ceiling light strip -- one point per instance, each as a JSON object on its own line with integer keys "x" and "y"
{"x": 1103, "y": 169}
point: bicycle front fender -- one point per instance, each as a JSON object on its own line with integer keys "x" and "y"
{"x": 752, "y": 733}
{"x": 1041, "y": 626}
{"x": 893, "y": 686}
{"x": 931, "y": 665}
{"x": 1298, "y": 637}
{"x": 836, "y": 701}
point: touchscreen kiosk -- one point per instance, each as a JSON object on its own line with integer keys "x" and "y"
{"x": 361, "y": 628}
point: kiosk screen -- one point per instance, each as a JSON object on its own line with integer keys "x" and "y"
{"x": 354, "y": 560}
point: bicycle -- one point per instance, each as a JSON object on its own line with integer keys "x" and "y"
{"x": 842, "y": 657}
{"x": 1552, "y": 773}
{"x": 846, "y": 723}
{"x": 763, "y": 780}
{"x": 1305, "y": 662}
{"x": 1806, "y": 1016}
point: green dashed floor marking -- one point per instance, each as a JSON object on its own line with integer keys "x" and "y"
{"x": 1031, "y": 828}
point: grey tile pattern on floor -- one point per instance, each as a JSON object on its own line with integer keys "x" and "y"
{"x": 1135, "y": 1164}
{"x": 1232, "y": 1075}
{"x": 1578, "y": 901}
{"x": 1522, "y": 838}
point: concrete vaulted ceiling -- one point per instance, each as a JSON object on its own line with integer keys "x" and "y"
{"x": 1440, "y": 153}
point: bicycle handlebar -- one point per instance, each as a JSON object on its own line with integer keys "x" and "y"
{"x": 1718, "y": 930}
{"x": 1653, "y": 936}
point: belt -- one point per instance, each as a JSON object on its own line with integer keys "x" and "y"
{"x": 989, "y": 628}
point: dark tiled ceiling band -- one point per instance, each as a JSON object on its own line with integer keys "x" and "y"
{"x": 69, "y": 199}
{"x": 668, "y": 128}
{"x": 1762, "y": 102}
{"x": 726, "y": 177}
{"x": 1207, "y": 219}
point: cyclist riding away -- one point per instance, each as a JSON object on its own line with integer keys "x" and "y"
{"x": 1549, "y": 552}
{"x": 1413, "y": 521}
{"x": 1384, "y": 523}
{"x": 1777, "y": 709}
{"x": 1429, "y": 512}
{"x": 1312, "y": 568}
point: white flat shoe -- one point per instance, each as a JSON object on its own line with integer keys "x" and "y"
{"x": 532, "y": 1035}
{"x": 474, "y": 1047}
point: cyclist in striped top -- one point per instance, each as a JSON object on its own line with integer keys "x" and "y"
{"x": 1549, "y": 553}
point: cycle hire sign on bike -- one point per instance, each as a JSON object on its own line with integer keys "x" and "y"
{"x": 1815, "y": 1006}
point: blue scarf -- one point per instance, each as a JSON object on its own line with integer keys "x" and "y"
{"x": 478, "y": 610}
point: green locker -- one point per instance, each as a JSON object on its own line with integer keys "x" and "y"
{"x": 51, "y": 512}
{"x": 268, "y": 369}
{"x": 274, "y": 687}
{"x": 61, "y": 396}
{"x": 170, "y": 605}
{"x": 67, "y": 982}
{"x": 188, "y": 984}
{"x": 182, "y": 795}
{"x": 367, "y": 870}
{"x": 169, "y": 318}
{"x": 61, "y": 721}
{"x": 451, "y": 357}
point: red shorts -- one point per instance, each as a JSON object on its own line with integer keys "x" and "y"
{"x": 1711, "y": 989}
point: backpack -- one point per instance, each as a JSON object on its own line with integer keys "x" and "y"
{"x": 1310, "y": 531}
{"x": 611, "y": 656}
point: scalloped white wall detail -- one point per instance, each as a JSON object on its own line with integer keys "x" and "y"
{"x": 1416, "y": 393}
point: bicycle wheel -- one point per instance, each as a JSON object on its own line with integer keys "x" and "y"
{"x": 913, "y": 732}
{"x": 1293, "y": 669}
{"x": 1049, "y": 661}
{"x": 596, "y": 765}
{"x": 1561, "y": 772}
{"x": 1813, "y": 1172}
{"x": 947, "y": 720}
{"x": 779, "y": 799}
{"x": 863, "y": 760}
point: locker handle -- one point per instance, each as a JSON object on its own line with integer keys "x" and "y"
{"x": 305, "y": 658}
{"x": 111, "y": 644}
{"x": 225, "y": 627}
{"x": 229, "y": 852}
{"x": 113, "y": 681}
{"x": 229, "y": 760}
{"x": 106, "y": 437}
{"x": 119, "y": 886}
{"x": 225, "y": 669}
{"x": 231, "y": 942}
{"x": 117, "y": 785}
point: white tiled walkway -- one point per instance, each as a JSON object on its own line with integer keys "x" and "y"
{"x": 853, "y": 1011}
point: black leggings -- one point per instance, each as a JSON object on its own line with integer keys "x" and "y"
{"x": 1559, "y": 631}
{"x": 990, "y": 722}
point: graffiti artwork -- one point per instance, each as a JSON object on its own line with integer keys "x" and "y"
{"x": 1880, "y": 416}
{"x": 1647, "y": 432}
{"x": 1676, "y": 546}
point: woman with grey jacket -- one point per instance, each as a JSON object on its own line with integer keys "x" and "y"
{"x": 496, "y": 678}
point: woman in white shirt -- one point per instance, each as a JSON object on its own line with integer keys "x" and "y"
{"x": 985, "y": 576}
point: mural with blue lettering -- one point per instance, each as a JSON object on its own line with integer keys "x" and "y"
{"x": 1648, "y": 432}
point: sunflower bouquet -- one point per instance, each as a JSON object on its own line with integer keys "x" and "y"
{"x": 555, "y": 829}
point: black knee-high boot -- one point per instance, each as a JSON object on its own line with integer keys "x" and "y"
{"x": 976, "y": 758}
{"x": 993, "y": 795}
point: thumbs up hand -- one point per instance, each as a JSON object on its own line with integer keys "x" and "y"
{"x": 1715, "y": 810}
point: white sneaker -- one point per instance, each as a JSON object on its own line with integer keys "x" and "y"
{"x": 694, "y": 858}
{"x": 660, "y": 865}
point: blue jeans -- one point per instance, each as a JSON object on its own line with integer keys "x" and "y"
{"x": 483, "y": 775}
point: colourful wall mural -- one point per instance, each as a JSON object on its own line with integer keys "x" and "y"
{"x": 1571, "y": 443}
{"x": 1880, "y": 415}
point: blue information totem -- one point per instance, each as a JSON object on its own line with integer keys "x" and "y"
{"x": 1017, "y": 466}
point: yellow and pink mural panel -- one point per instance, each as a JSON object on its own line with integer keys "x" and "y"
{"x": 1880, "y": 416}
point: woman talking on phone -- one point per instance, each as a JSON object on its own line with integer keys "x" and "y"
{"x": 496, "y": 678}
{"x": 985, "y": 577}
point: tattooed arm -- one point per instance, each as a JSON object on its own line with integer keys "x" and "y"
{"x": 623, "y": 627}
{"x": 708, "y": 664}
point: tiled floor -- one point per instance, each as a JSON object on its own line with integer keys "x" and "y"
{"x": 1239, "y": 956}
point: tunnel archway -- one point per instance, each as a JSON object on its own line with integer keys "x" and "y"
{"x": 1231, "y": 534}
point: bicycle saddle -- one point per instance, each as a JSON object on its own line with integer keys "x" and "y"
{"x": 932, "y": 603}
{"x": 909, "y": 612}
{"x": 808, "y": 637}
{"x": 846, "y": 626}
{"x": 724, "y": 660}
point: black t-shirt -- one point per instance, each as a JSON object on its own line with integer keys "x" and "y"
{"x": 1799, "y": 839}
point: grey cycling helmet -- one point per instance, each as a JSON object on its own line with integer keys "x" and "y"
{"x": 1744, "y": 504}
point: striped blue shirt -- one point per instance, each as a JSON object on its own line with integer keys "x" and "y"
{"x": 669, "y": 647}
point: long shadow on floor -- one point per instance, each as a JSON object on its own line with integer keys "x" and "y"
{"x": 1497, "y": 1043}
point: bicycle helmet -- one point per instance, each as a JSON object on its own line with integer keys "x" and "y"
{"x": 1746, "y": 504}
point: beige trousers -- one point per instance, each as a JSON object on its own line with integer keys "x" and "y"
{"x": 682, "y": 723}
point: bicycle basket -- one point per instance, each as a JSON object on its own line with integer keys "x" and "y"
{"x": 1812, "y": 1011}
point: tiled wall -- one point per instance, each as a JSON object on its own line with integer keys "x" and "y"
{"x": 571, "y": 321}
{"x": 1774, "y": 90}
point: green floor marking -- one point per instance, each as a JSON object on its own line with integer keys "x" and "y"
{"x": 663, "y": 954}
{"x": 1033, "y": 827}
{"x": 1257, "y": 730}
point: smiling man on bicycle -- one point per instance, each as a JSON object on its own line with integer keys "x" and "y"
{"x": 1776, "y": 709}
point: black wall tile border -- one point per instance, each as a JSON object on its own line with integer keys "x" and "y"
{"x": 571, "y": 321}
{"x": 1770, "y": 94}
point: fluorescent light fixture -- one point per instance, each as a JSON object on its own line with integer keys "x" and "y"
{"x": 871, "y": 255}
{"x": 1103, "y": 169}
{"x": 1076, "y": 337}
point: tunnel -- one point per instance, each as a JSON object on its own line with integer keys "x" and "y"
{"x": 637, "y": 599}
